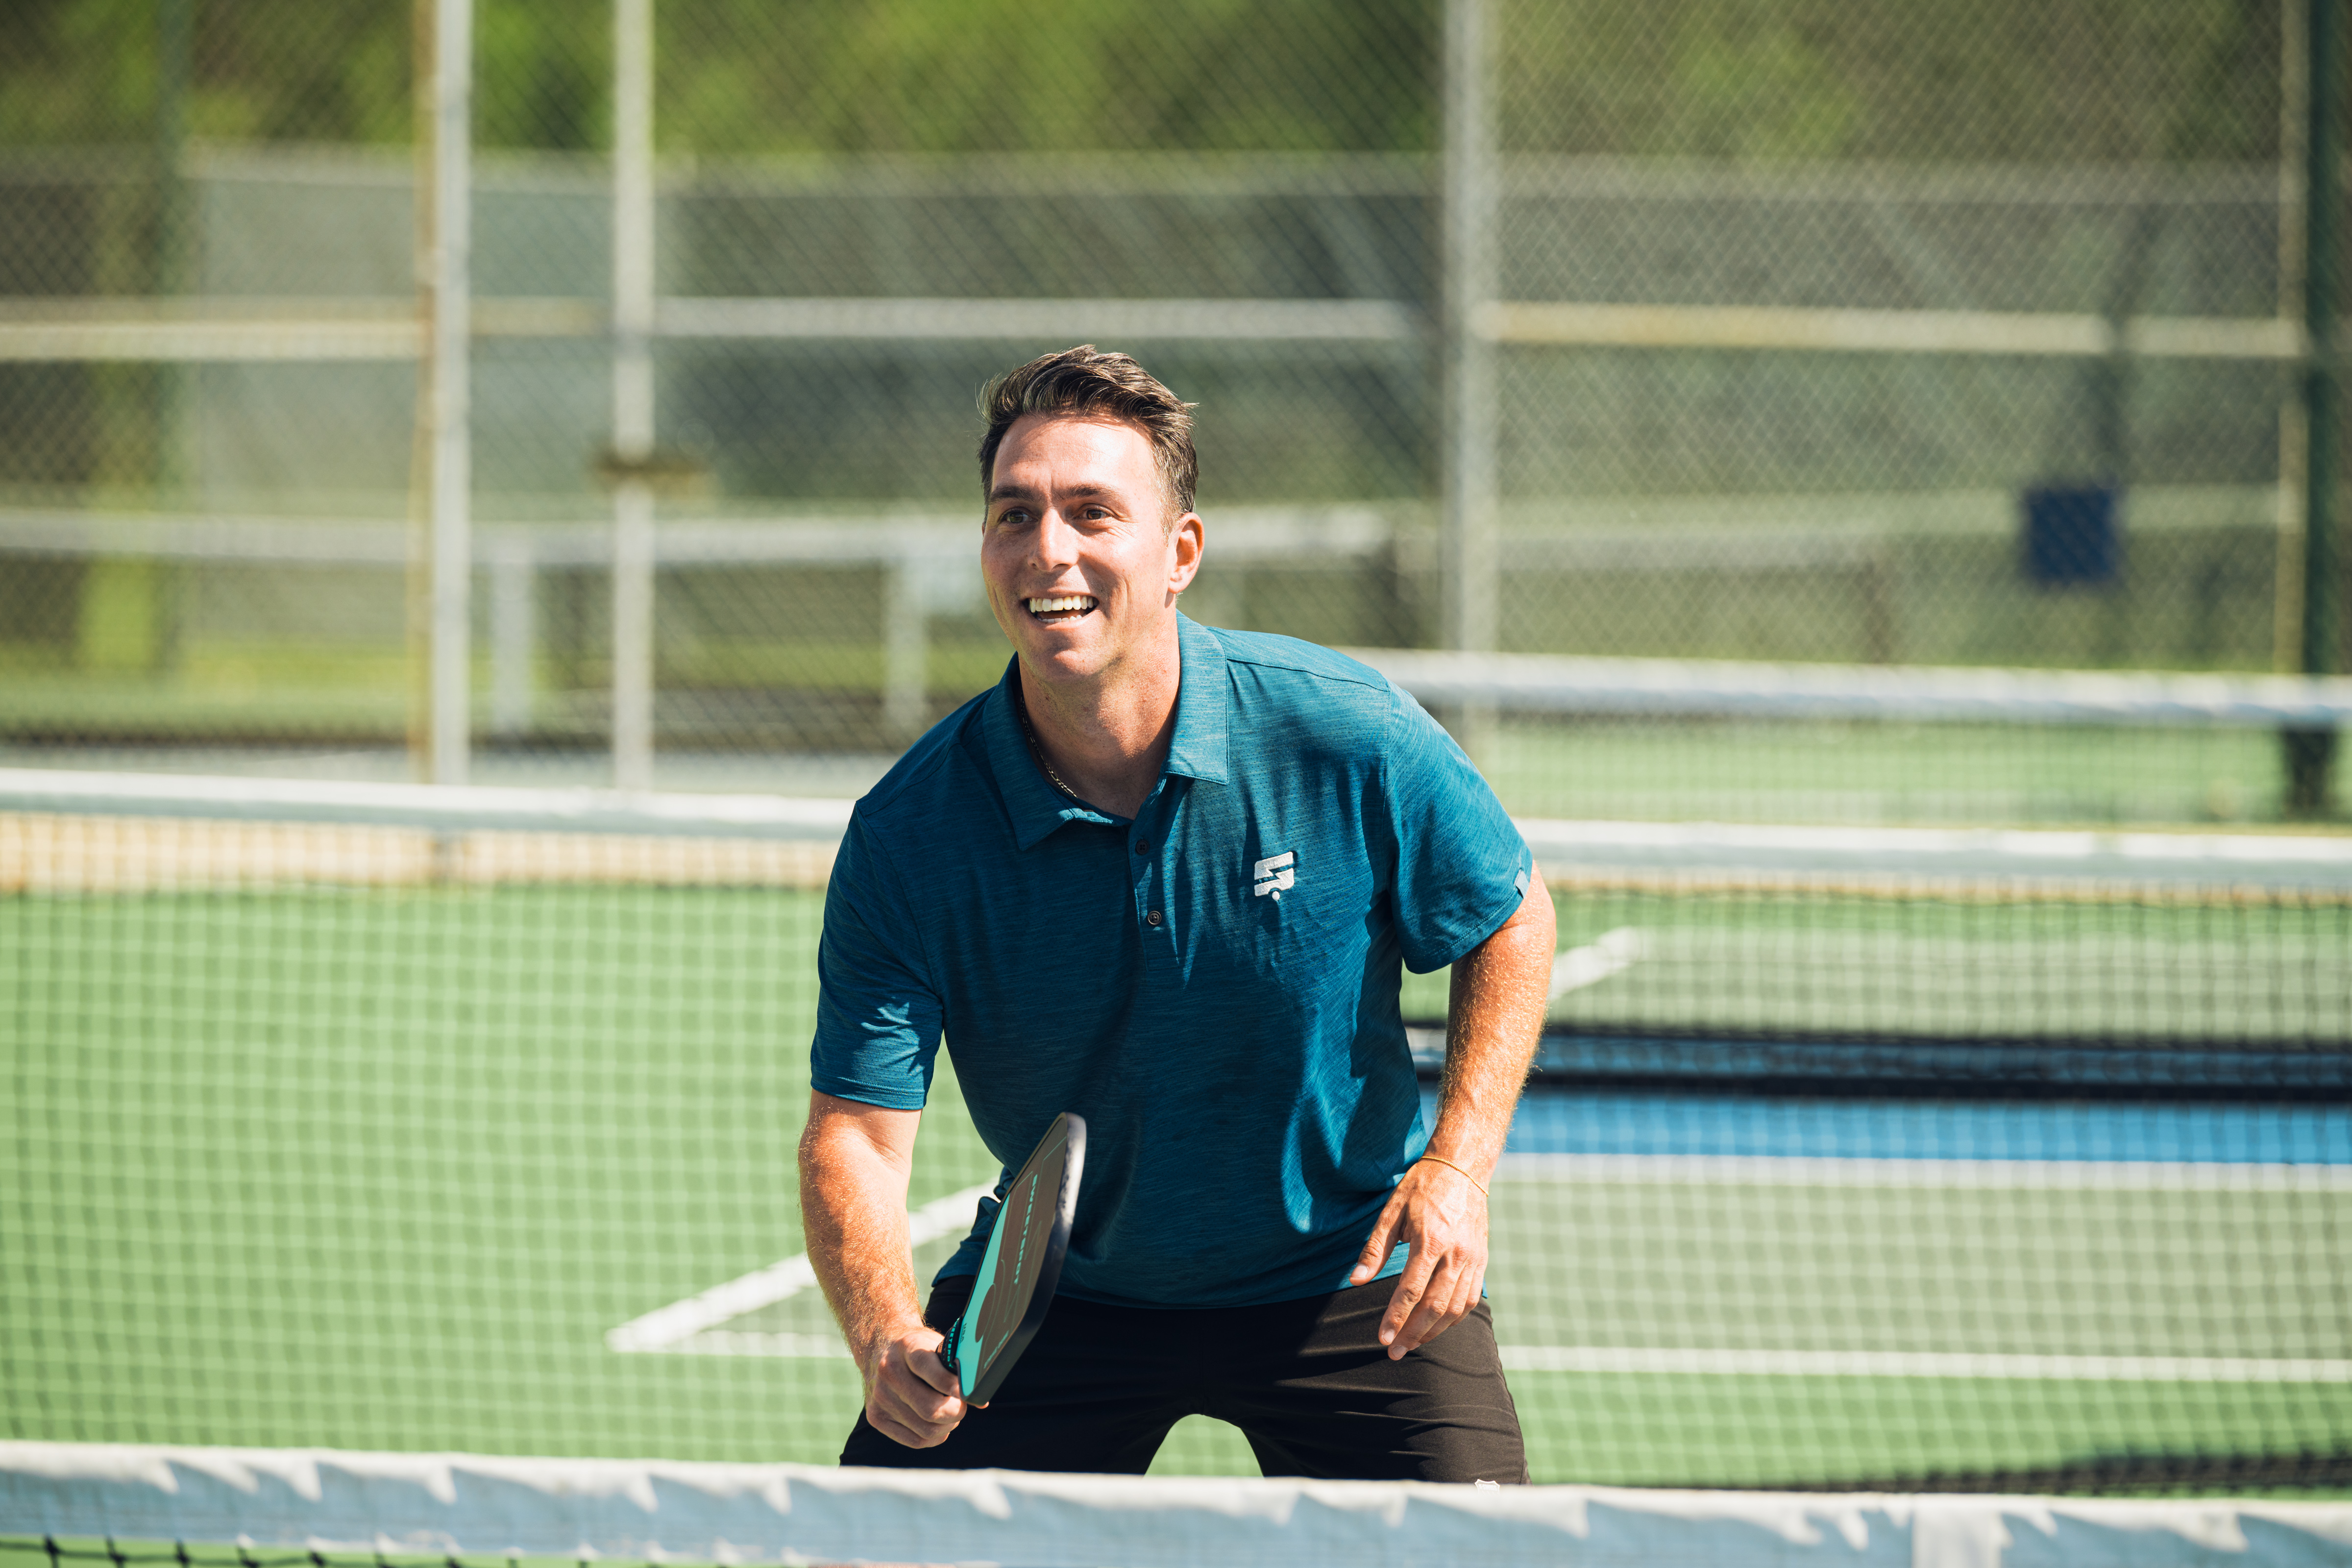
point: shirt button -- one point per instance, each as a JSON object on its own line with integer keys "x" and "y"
{"x": 1151, "y": 919}
{"x": 1143, "y": 847}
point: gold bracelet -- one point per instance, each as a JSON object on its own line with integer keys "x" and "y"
{"x": 1465, "y": 1175}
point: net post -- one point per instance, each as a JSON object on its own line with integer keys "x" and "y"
{"x": 2311, "y": 750}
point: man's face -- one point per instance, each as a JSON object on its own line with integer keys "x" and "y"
{"x": 1083, "y": 570}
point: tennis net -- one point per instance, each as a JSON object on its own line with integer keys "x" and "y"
{"x": 198, "y": 1507}
{"x": 319, "y": 1508}
{"x": 397, "y": 1120}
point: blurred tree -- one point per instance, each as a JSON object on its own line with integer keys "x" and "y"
{"x": 543, "y": 72}
{"x": 1970, "y": 80}
{"x": 1988, "y": 81}
{"x": 866, "y": 76}
{"x": 84, "y": 72}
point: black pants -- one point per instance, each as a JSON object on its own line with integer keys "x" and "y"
{"x": 1306, "y": 1381}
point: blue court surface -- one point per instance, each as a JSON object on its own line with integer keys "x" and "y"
{"x": 1563, "y": 1122}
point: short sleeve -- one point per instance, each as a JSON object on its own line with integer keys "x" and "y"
{"x": 877, "y": 1013}
{"x": 1462, "y": 867}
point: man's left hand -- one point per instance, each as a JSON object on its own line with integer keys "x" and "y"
{"x": 1441, "y": 1215}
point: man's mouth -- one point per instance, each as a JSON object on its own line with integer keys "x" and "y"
{"x": 1061, "y": 608}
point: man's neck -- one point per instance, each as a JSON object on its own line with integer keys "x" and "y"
{"x": 1107, "y": 737}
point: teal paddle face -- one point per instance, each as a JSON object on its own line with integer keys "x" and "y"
{"x": 1018, "y": 1272}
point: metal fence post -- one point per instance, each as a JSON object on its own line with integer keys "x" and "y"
{"x": 447, "y": 350}
{"x": 174, "y": 232}
{"x": 1468, "y": 201}
{"x": 632, "y": 392}
{"x": 2310, "y": 752}
{"x": 2295, "y": 111}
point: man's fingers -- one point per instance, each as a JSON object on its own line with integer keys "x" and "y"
{"x": 899, "y": 1432}
{"x": 926, "y": 1403}
{"x": 1378, "y": 1245}
{"x": 1451, "y": 1296}
{"x": 927, "y": 1365}
{"x": 1445, "y": 1304}
{"x": 928, "y": 1406}
{"x": 1412, "y": 1286}
{"x": 914, "y": 1423}
{"x": 1414, "y": 1325}
{"x": 915, "y": 1400}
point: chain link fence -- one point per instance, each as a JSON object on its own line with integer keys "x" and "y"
{"x": 1817, "y": 295}
{"x": 1760, "y": 329}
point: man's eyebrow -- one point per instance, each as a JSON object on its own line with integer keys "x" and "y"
{"x": 1009, "y": 491}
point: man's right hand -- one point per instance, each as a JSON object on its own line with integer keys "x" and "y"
{"x": 912, "y": 1398}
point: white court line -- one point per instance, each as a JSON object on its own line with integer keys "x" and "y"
{"x": 1923, "y": 1364}
{"x": 668, "y": 1328}
{"x": 1611, "y": 952}
{"x": 1656, "y": 1361}
{"x": 1781, "y": 1170}
{"x": 789, "y": 1347}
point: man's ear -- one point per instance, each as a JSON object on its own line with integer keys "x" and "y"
{"x": 1191, "y": 536}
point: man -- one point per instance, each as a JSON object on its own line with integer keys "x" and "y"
{"x": 1164, "y": 877}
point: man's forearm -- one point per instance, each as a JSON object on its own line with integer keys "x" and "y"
{"x": 854, "y": 1221}
{"x": 855, "y": 1160}
{"x": 1492, "y": 1025}
{"x": 1493, "y": 1022}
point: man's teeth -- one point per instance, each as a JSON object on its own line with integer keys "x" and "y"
{"x": 1061, "y": 602}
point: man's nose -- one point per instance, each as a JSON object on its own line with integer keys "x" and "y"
{"x": 1054, "y": 542}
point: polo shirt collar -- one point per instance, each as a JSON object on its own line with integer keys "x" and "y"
{"x": 1197, "y": 751}
{"x": 1036, "y": 806}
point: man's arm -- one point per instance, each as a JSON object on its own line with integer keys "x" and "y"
{"x": 1494, "y": 1020}
{"x": 855, "y": 1160}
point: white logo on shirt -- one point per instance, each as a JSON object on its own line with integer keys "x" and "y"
{"x": 1275, "y": 873}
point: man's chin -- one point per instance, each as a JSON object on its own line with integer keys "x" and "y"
{"x": 1058, "y": 657}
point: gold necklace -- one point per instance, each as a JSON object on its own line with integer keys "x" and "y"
{"x": 1029, "y": 733}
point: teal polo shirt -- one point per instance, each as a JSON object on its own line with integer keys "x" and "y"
{"x": 1212, "y": 985}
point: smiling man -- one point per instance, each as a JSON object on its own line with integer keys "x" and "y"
{"x": 1167, "y": 876}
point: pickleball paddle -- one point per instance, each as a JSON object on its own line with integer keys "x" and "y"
{"x": 1024, "y": 1261}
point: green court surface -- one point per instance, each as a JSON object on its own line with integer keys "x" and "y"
{"x": 1861, "y": 1334}
{"x": 380, "y": 1169}
{"x": 2226, "y": 965}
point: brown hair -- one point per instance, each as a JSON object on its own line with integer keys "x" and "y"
{"x": 1090, "y": 385}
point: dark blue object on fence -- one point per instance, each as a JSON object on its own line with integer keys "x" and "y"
{"x": 2070, "y": 536}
